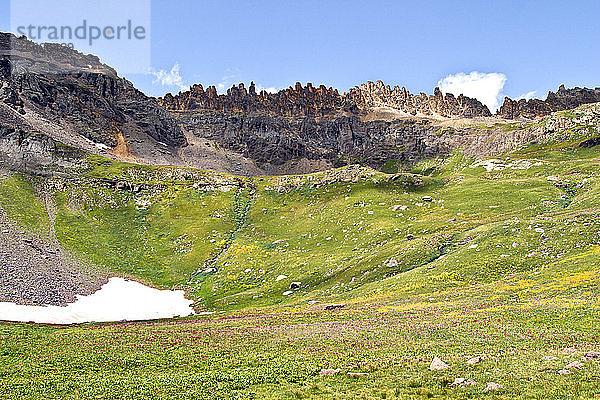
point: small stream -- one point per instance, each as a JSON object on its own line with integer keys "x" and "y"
{"x": 118, "y": 300}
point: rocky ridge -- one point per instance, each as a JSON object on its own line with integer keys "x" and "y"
{"x": 379, "y": 94}
{"x": 563, "y": 99}
{"x": 307, "y": 128}
{"x": 78, "y": 101}
{"x": 310, "y": 101}
{"x": 373, "y": 124}
{"x": 292, "y": 102}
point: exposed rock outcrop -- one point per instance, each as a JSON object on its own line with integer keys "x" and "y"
{"x": 378, "y": 94}
{"x": 76, "y": 100}
{"x": 318, "y": 124}
{"x": 308, "y": 101}
{"x": 37, "y": 154}
{"x": 292, "y": 102}
{"x": 20, "y": 55}
{"x": 351, "y": 173}
{"x": 338, "y": 140}
{"x": 78, "y": 92}
{"x": 563, "y": 99}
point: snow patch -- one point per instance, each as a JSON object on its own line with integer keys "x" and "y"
{"x": 119, "y": 299}
{"x": 101, "y": 146}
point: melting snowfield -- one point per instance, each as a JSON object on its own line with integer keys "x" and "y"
{"x": 117, "y": 300}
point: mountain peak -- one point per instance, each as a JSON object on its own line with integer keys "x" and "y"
{"x": 28, "y": 56}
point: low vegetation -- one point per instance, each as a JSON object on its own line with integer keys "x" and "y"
{"x": 329, "y": 289}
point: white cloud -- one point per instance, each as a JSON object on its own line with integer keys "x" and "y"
{"x": 260, "y": 88}
{"x": 222, "y": 88}
{"x": 171, "y": 78}
{"x": 485, "y": 87}
{"x": 227, "y": 80}
{"x": 232, "y": 76}
{"x": 527, "y": 96}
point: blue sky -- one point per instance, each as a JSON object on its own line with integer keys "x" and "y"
{"x": 536, "y": 45}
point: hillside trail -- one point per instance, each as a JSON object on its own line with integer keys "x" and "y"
{"x": 240, "y": 211}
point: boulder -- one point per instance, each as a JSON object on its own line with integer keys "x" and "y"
{"x": 492, "y": 386}
{"x": 564, "y": 372}
{"x": 549, "y": 358}
{"x": 474, "y": 360}
{"x": 437, "y": 364}
{"x": 329, "y": 372}
{"x": 458, "y": 382}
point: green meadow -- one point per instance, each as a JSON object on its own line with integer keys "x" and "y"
{"x": 447, "y": 259}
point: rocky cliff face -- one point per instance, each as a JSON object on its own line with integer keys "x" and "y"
{"x": 37, "y": 154}
{"x": 53, "y": 83}
{"x": 563, "y": 99}
{"x": 318, "y": 124}
{"x": 331, "y": 129}
{"x": 335, "y": 140}
{"x": 75, "y": 99}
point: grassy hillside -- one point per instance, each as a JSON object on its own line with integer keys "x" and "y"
{"x": 496, "y": 258}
